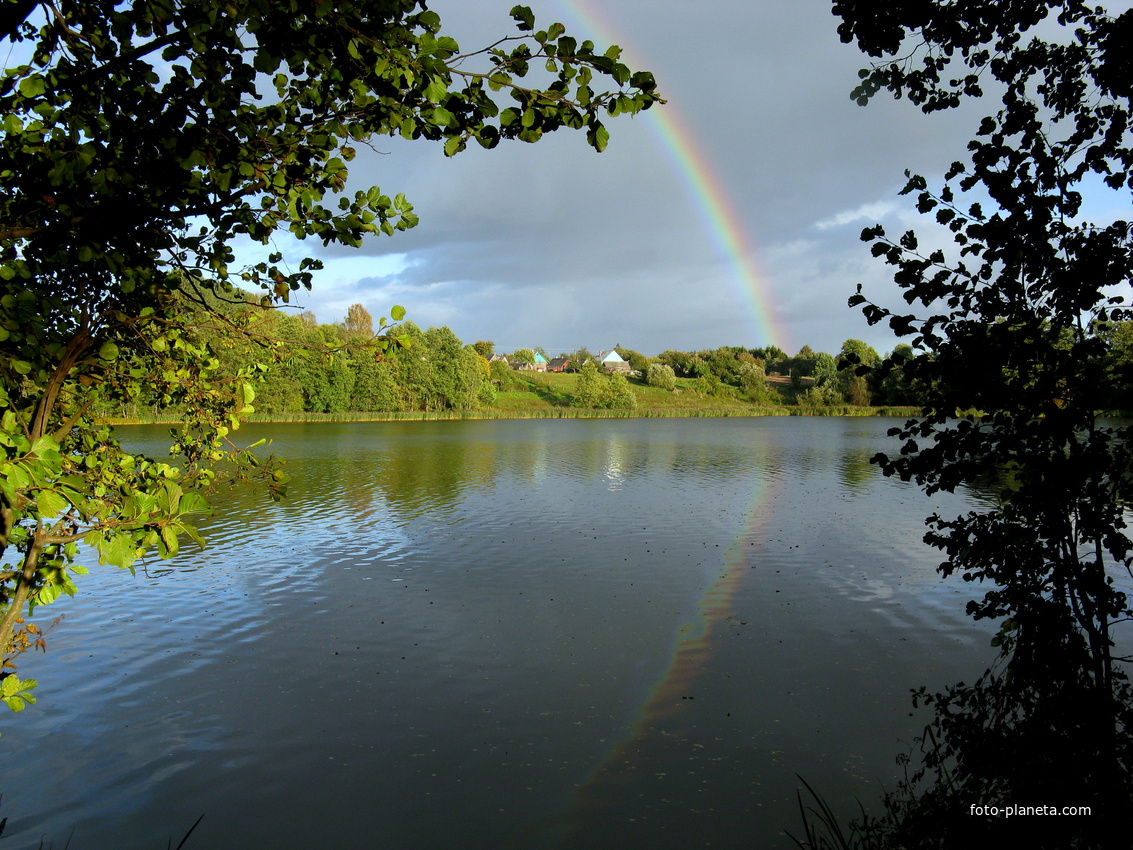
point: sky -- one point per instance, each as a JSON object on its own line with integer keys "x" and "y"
{"x": 730, "y": 219}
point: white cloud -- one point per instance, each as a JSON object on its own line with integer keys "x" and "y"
{"x": 870, "y": 212}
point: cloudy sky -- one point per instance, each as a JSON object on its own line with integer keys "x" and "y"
{"x": 744, "y": 233}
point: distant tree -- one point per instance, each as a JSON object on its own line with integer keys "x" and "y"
{"x": 522, "y": 357}
{"x": 753, "y": 380}
{"x": 376, "y": 385}
{"x": 856, "y": 390}
{"x": 856, "y": 352}
{"x": 709, "y": 384}
{"x": 775, "y": 358}
{"x": 698, "y": 367}
{"x": 821, "y": 395}
{"x": 359, "y": 324}
{"x": 723, "y": 363}
{"x": 802, "y": 364}
{"x": 662, "y": 376}
{"x": 895, "y": 382}
{"x": 588, "y": 387}
{"x": 825, "y": 368}
{"x": 580, "y": 358}
{"x": 679, "y": 361}
{"x": 637, "y": 361}
{"x": 1116, "y": 390}
{"x": 502, "y": 375}
{"x": 856, "y": 361}
{"x": 484, "y": 348}
{"x": 616, "y": 393}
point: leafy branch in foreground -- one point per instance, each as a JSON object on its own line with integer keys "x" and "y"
{"x": 141, "y": 141}
{"x": 1013, "y": 324}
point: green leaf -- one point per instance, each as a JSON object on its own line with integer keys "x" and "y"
{"x": 397, "y": 313}
{"x": 436, "y": 90}
{"x": 169, "y": 539}
{"x": 51, "y": 504}
{"x": 599, "y": 138}
{"x": 47, "y": 594}
{"x": 118, "y": 551}
{"x": 193, "y": 503}
{"x": 524, "y": 17}
{"x": 33, "y": 86}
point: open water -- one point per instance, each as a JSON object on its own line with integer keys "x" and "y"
{"x": 502, "y": 634}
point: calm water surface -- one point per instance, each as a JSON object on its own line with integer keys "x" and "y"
{"x": 527, "y": 634}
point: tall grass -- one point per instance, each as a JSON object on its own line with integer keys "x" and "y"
{"x": 689, "y": 410}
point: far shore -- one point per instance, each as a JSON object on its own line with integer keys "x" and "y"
{"x": 553, "y": 413}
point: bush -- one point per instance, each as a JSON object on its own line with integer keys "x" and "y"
{"x": 661, "y": 376}
{"x": 617, "y": 394}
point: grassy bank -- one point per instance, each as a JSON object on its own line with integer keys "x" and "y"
{"x": 559, "y": 413}
{"x": 547, "y": 396}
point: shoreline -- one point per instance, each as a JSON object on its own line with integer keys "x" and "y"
{"x": 845, "y": 411}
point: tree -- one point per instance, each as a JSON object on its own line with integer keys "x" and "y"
{"x": 359, "y": 324}
{"x": 502, "y": 375}
{"x": 1116, "y": 392}
{"x": 485, "y": 348}
{"x": 856, "y": 360}
{"x": 1020, "y": 295}
{"x": 753, "y": 382}
{"x": 616, "y": 393}
{"x": 825, "y": 368}
{"x": 679, "y": 361}
{"x": 141, "y": 140}
{"x": 775, "y": 358}
{"x": 588, "y": 388}
{"x": 522, "y": 356}
{"x": 892, "y": 381}
{"x": 637, "y": 361}
{"x": 857, "y": 353}
{"x": 662, "y": 376}
{"x": 580, "y": 358}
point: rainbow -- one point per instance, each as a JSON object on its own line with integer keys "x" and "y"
{"x": 660, "y": 713}
{"x": 714, "y": 207}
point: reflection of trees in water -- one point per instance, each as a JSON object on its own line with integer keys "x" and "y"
{"x": 431, "y": 477}
{"x": 1033, "y": 731}
{"x": 416, "y": 468}
{"x": 1013, "y": 316}
{"x": 855, "y": 471}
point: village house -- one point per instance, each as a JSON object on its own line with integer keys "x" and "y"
{"x": 612, "y": 362}
{"x": 538, "y": 365}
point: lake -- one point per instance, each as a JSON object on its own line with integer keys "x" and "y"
{"x": 502, "y": 634}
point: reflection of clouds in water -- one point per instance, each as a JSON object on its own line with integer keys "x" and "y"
{"x": 859, "y": 587}
{"x": 615, "y": 467}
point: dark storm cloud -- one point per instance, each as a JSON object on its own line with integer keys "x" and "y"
{"x": 555, "y": 245}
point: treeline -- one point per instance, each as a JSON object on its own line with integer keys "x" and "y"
{"x": 335, "y": 368}
{"x": 856, "y": 375}
{"x": 331, "y": 368}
